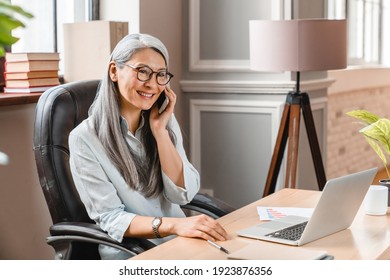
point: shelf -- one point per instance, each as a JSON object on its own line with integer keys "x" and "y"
{"x": 8, "y": 99}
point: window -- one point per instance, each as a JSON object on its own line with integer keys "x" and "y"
{"x": 368, "y": 29}
{"x": 364, "y": 31}
{"x": 40, "y": 34}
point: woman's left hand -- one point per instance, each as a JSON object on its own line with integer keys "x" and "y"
{"x": 159, "y": 122}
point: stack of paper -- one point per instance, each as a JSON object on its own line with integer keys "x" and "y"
{"x": 272, "y": 213}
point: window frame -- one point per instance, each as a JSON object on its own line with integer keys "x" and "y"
{"x": 367, "y": 37}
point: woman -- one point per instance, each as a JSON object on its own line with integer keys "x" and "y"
{"x": 127, "y": 159}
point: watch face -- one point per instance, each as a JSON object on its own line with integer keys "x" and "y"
{"x": 155, "y": 225}
{"x": 156, "y": 221}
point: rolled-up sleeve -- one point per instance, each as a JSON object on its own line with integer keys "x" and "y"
{"x": 172, "y": 192}
{"x": 96, "y": 191}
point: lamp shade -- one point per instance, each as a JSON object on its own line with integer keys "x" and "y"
{"x": 297, "y": 45}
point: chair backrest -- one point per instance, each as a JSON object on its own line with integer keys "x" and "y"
{"x": 58, "y": 111}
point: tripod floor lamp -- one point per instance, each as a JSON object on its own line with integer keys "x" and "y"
{"x": 296, "y": 46}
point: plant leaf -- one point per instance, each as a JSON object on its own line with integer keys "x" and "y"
{"x": 9, "y": 23}
{"x": 7, "y": 39}
{"x": 377, "y": 149}
{"x": 363, "y": 115}
{"x": 379, "y": 131}
{"x": 7, "y": 8}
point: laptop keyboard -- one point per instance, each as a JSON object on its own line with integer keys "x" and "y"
{"x": 291, "y": 233}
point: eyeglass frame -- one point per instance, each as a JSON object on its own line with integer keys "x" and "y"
{"x": 137, "y": 68}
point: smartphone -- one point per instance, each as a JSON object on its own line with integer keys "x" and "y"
{"x": 162, "y": 102}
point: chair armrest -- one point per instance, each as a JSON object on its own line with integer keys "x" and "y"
{"x": 208, "y": 205}
{"x": 66, "y": 232}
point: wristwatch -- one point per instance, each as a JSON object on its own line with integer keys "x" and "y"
{"x": 155, "y": 225}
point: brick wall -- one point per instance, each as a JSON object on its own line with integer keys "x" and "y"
{"x": 347, "y": 150}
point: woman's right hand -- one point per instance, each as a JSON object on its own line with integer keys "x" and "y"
{"x": 200, "y": 226}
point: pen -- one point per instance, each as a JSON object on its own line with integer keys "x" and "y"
{"x": 218, "y": 246}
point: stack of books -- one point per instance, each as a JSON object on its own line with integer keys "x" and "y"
{"x": 30, "y": 72}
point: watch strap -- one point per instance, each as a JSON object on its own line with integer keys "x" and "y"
{"x": 156, "y": 226}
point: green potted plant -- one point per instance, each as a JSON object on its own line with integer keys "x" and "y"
{"x": 376, "y": 131}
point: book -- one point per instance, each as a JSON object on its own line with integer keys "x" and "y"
{"x": 31, "y": 75}
{"x": 33, "y": 65}
{"x": 26, "y": 89}
{"x": 12, "y": 57}
{"x": 32, "y": 82}
{"x": 270, "y": 251}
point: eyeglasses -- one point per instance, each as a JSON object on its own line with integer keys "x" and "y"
{"x": 144, "y": 74}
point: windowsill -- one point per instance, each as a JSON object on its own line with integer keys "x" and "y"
{"x": 367, "y": 66}
{"x": 8, "y": 99}
{"x": 359, "y": 78}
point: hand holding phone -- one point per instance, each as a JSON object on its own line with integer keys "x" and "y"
{"x": 162, "y": 102}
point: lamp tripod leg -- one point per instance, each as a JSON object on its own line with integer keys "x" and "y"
{"x": 313, "y": 141}
{"x": 293, "y": 143}
{"x": 277, "y": 155}
{"x": 289, "y": 129}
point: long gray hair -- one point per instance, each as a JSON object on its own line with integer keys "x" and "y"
{"x": 144, "y": 177}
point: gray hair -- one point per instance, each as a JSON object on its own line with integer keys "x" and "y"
{"x": 143, "y": 177}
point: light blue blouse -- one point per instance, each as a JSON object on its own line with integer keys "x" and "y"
{"x": 109, "y": 201}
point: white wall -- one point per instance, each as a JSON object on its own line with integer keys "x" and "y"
{"x": 121, "y": 10}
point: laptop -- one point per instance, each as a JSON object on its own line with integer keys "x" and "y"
{"x": 335, "y": 211}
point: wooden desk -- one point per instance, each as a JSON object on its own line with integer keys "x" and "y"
{"x": 367, "y": 238}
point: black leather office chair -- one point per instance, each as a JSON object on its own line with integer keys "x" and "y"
{"x": 73, "y": 234}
